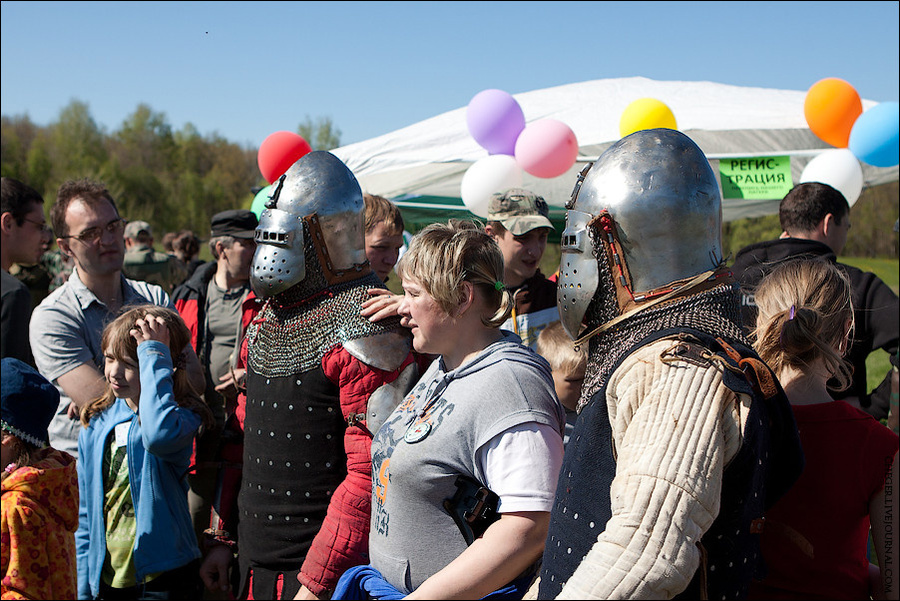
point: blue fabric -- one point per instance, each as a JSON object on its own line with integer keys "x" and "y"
{"x": 365, "y": 582}
{"x": 28, "y": 401}
{"x": 159, "y": 453}
{"x": 514, "y": 590}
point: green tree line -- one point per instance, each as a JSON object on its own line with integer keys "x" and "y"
{"x": 179, "y": 179}
{"x": 171, "y": 179}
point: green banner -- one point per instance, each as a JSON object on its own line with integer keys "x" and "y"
{"x": 760, "y": 178}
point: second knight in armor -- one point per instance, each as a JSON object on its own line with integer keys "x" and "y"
{"x": 680, "y": 444}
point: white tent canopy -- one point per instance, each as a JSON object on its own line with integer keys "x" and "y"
{"x": 429, "y": 158}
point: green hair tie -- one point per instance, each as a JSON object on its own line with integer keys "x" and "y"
{"x": 498, "y": 285}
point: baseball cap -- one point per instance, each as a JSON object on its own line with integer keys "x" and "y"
{"x": 519, "y": 210}
{"x": 136, "y": 228}
{"x": 238, "y": 223}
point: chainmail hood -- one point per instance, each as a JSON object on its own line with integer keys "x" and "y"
{"x": 295, "y": 329}
{"x": 715, "y": 311}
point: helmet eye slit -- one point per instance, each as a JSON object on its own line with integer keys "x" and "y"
{"x": 273, "y": 237}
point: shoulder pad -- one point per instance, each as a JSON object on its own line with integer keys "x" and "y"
{"x": 385, "y": 351}
{"x": 385, "y": 399}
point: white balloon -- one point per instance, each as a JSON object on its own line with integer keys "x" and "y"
{"x": 838, "y": 168}
{"x": 486, "y": 176}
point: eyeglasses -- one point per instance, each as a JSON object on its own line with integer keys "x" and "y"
{"x": 45, "y": 229}
{"x": 92, "y": 235}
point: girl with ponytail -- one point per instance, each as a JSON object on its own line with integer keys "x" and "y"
{"x": 814, "y": 542}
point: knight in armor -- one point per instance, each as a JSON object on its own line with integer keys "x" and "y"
{"x": 320, "y": 380}
{"x": 684, "y": 437}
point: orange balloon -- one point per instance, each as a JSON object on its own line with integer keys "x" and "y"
{"x": 831, "y": 108}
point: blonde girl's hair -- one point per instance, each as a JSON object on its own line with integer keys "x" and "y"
{"x": 444, "y": 255}
{"x": 804, "y": 307}
{"x": 555, "y": 345}
{"x": 118, "y": 342}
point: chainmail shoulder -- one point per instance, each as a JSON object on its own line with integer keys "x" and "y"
{"x": 295, "y": 329}
{"x": 715, "y": 311}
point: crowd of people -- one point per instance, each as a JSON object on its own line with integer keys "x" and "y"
{"x": 648, "y": 422}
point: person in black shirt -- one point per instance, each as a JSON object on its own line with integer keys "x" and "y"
{"x": 24, "y": 229}
{"x": 816, "y": 220}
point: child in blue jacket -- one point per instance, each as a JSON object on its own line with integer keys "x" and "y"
{"x": 135, "y": 539}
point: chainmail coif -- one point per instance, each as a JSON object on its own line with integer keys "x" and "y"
{"x": 715, "y": 311}
{"x": 295, "y": 329}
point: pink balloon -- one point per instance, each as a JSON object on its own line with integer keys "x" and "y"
{"x": 546, "y": 148}
{"x": 495, "y": 120}
{"x": 278, "y": 152}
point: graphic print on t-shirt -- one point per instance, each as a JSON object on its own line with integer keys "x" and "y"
{"x": 417, "y": 417}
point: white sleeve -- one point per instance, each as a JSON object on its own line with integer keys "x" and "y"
{"x": 521, "y": 465}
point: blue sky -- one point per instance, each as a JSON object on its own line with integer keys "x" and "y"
{"x": 246, "y": 69}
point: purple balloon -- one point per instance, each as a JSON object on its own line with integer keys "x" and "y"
{"x": 495, "y": 120}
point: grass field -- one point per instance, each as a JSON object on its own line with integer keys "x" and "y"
{"x": 878, "y": 363}
{"x": 886, "y": 269}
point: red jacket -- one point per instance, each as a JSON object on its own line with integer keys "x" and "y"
{"x": 190, "y": 301}
{"x": 342, "y": 541}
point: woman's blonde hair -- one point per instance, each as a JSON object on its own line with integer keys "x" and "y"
{"x": 118, "y": 342}
{"x": 804, "y": 307}
{"x": 444, "y": 255}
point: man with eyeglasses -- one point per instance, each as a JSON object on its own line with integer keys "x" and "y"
{"x": 22, "y": 230}
{"x": 66, "y": 327}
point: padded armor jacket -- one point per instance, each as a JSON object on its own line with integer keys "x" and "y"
{"x": 668, "y": 472}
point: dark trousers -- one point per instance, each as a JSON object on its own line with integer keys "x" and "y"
{"x": 180, "y": 583}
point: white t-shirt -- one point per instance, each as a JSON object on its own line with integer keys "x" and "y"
{"x": 521, "y": 465}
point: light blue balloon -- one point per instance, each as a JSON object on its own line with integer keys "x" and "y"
{"x": 875, "y": 137}
{"x": 259, "y": 201}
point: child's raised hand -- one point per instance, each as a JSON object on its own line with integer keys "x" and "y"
{"x": 150, "y": 327}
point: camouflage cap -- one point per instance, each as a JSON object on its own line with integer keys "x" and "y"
{"x": 519, "y": 210}
{"x": 135, "y": 228}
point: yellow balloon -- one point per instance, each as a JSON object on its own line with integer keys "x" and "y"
{"x": 646, "y": 113}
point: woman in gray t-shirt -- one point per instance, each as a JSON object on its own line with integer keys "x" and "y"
{"x": 485, "y": 410}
